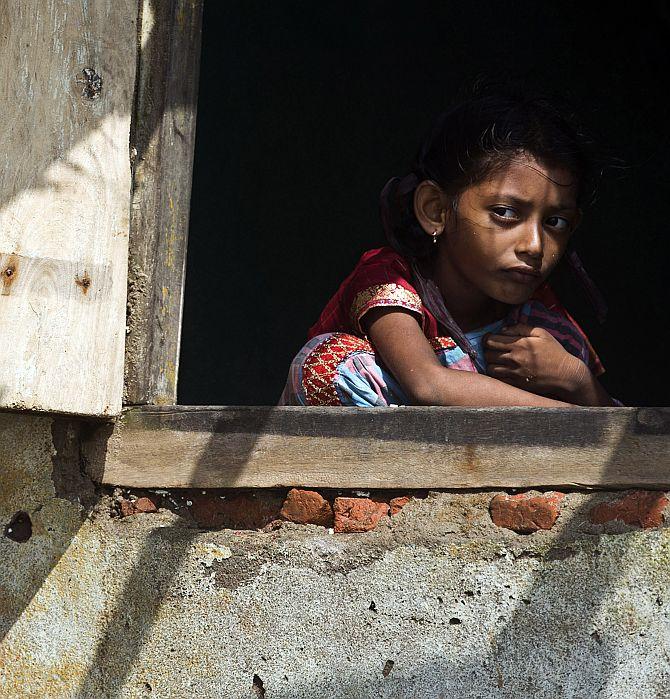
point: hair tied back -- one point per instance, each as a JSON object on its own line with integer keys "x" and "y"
{"x": 391, "y": 206}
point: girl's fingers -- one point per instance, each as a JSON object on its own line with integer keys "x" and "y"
{"x": 500, "y": 342}
{"x": 508, "y": 376}
{"x": 499, "y": 357}
{"x": 500, "y": 371}
{"x": 513, "y": 376}
{"x": 518, "y": 330}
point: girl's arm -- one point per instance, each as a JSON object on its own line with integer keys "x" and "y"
{"x": 397, "y": 337}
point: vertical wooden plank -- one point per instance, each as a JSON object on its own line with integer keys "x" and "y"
{"x": 163, "y": 138}
{"x": 67, "y": 74}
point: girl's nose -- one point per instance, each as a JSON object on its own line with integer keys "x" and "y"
{"x": 531, "y": 241}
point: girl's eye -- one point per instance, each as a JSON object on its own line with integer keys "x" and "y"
{"x": 505, "y": 212}
{"x": 559, "y": 223}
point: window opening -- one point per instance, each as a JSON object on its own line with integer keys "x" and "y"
{"x": 303, "y": 115}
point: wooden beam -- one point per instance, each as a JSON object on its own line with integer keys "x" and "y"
{"x": 415, "y": 447}
{"x": 162, "y": 142}
{"x": 67, "y": 73}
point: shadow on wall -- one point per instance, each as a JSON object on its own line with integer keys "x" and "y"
{"x": 43, "y": 501}
{"x": 146, "y": 581}
{"x": 121, "y": 644}
{"x": 53, "y": 509}
{"x": 76, "y": 68}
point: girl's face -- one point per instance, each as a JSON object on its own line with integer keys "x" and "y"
{"x": 507, "y": 234}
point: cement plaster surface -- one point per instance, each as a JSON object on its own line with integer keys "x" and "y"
{"x": 437, "y": 602}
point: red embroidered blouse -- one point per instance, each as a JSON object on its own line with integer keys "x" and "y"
{"x": 383, "y": 277}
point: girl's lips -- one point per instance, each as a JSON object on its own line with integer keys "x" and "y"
{"x": 522, "y": 276}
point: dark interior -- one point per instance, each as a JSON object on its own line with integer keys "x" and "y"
{"x": 306, "y": 110}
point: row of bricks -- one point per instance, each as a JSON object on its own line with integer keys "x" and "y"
{"x": 524, "y": 513}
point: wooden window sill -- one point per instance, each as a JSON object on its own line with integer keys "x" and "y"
{"x": 407, "y": 447}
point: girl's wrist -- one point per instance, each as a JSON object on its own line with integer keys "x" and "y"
{"x": 574, "y": 380}
{"x": 581, "y": 387}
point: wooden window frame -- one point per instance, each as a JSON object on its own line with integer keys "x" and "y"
{"x": 156, "y": 443}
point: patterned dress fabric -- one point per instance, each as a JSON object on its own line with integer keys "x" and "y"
{"x": 338, "y": 366}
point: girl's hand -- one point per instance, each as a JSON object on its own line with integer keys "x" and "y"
{"x": 532, "y": 359}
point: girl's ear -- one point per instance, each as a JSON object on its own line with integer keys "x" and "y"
{"x": 430, "y": 207}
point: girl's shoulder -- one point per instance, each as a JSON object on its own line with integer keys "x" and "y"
{"x": 382, "y": 277}
{"x": 384, "y": 256}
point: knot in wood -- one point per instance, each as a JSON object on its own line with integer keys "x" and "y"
{"x": 83, "y": 282}
{"x": 92, "y": 84}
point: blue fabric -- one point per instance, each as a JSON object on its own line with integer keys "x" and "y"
{"x": 475, "y": 339}
{"x": 363, "y": 383}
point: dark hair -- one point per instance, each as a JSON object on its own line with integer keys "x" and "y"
{"x": 474, "y": 138}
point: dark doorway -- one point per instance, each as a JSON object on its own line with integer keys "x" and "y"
{"x": 307, "y": 109}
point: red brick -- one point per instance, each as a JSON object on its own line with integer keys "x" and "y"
{"x": 398, "y": 503}
{"x": 641, "y": 508}
{"x": 126, "y": 508}
{"x": 526, "y": 513}
{"x": 145, "y": 505}
{"x": 241, "y": 511}
{"x": 307, "y": 507}
{"x": 133, "y": 507}
{"x": 358, "y": 514}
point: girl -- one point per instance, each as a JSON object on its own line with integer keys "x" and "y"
{"x": 458, "y": 311}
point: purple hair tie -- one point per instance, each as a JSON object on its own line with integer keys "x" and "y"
{"x": 393, "y": 188}
{"x": 385, "y": 208}
{"x": 407, "y": 184}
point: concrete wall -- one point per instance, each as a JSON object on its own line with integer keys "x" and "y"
{"x": 437, "y": 601}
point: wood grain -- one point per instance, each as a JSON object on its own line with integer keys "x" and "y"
{"x": 67, "y": 72}
{"x": 413, "y": 447}
{"x": 163, "y": 138}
